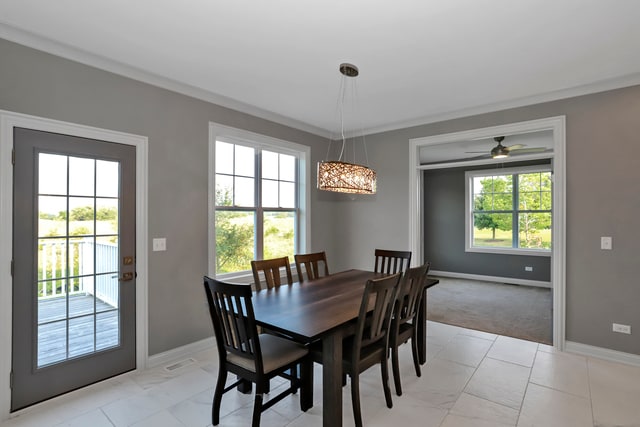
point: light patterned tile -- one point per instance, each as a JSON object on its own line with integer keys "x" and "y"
{"x": 477, "y": 410}
{"x": 500, "y": 382}
{"x": 561, "y": 371}
{"x": 514, "y": 350}
{"x": 615, "y": 393}
{"x": 545, "y": 407}
{"x": 466, "y": 350}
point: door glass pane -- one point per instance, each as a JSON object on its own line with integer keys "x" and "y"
{"x": 107, "y": 181}
{"x": 81, "y": 340}
{"x": 106, "y": 216}
{"x": 52, "y": 216}
{"x": 107, "y": 333}
{"x": 81, "y": 176}
{"x": 78, "y": 269}
{"x": 52, "y": 342}
{"x": 81, "y": 216}
{"x": 278, "y": 234}
{"x": 52, "y": 259}
{"x": 234, "y": 241}
{"x": 81, "y": 296}
{"x": 52, "y": 176}
{"x": 51, "y": 308}
{"x": 107, "y": 292}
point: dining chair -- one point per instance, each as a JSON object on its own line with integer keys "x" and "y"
{"x": 369, "y": 345}
{"x": 390, "y": 262}
{"x": 404, "y": 323}
{"x": 312, "y": 264}
{"x": 250, "y": 356}
{"x": 270, "y": 269}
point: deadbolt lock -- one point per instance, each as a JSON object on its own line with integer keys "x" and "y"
{"x": 128, "y": 260}
{"x": 126, "y": 277}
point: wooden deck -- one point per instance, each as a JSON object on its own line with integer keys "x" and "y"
{"x": 53, "y": 343}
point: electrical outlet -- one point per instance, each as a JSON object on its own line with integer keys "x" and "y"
{"x": 159, "y": 244}
{"x": 623, "y": 329}
{"x": 528, "y": 268}
{"x": 606, "y": 243}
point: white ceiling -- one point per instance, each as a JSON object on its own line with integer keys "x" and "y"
{"x": 420, "y": 61}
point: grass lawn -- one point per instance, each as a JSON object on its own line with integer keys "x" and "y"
{"x": 503, "y": 239}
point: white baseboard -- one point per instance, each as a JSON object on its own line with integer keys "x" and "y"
{"x": 174, "y": 354}
{"x": 510, "y": 280}
{"x": 602, "y": 353}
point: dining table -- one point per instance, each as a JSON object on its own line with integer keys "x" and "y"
{"x": 325, "y": 309}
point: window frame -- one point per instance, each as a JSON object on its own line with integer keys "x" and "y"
{"x": 260, "y": 142}
{"x": 469, "y": 229}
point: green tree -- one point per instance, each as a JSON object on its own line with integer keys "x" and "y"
{"x": 234, "y": 237}
{"x": 534, "y": 194}
{"x": 81, "y": 213}
{"x": 495, "y": 195}
{"x": 107, "y": 214}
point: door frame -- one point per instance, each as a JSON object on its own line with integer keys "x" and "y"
{"x": 558, "y": 229}
{"x": 10, "y": 120}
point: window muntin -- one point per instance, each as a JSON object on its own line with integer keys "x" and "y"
{"x": 510, "y": 210}
{"x": 256, "y": 200}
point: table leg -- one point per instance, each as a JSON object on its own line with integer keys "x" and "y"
{"x": 332, "y": 380}
{"x": 422, "y": 328}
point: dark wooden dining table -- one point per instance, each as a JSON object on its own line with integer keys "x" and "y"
{"x": 324, "y": 309}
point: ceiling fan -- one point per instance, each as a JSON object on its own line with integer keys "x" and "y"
{"x": 501, "y": 151}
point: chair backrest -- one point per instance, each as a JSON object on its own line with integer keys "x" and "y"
{"x": 374, "y": 326}
{"x": 392, "y": 262}
{"x": 312, "y": 264}
{"x": 270, "y": 269}
{"x": 410, "y": 292}
{"x": 233, "y": 320}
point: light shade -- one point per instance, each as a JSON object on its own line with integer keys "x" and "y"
{"x": 499, "y": 152}
{"x": 346, "y": 178}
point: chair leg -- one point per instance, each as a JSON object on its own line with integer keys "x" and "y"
{"x": 306, "y": 379}
{"x": 385, "y": 381}
{"x": 217, "y": 396}
{"x": 416, "y": 360}
{"x": 395, "y": 364}
{"x": 295, "y": 375}
{"x": 257, "y": 410}
{"x": 355, "y": 399}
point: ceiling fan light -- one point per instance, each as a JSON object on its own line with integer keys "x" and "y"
{"x": 499, "y": 152}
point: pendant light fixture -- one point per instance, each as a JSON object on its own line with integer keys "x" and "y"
{"x": 340, "y": 175}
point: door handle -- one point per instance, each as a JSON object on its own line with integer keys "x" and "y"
{"x": 126, "y": 277}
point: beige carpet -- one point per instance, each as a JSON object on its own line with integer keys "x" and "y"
{"x": 516, "y": 311}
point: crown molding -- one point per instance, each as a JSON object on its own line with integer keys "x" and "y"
{"x": 52, "y": 47}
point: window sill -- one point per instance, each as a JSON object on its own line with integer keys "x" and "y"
{"x": 510, "y": 251}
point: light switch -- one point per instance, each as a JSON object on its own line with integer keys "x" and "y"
{"x": 159, "y": 244}
{"x": 606, "y": 243}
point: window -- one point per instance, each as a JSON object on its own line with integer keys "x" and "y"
{"x": 259, "y": 200}
{"x": 509, "y": 210}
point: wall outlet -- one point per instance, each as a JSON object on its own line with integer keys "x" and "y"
{"x": 159, "y": 244}
{"x": 606, "y": 243}
{"x": 623, "y": 329}
{"x": 528, "y": 268}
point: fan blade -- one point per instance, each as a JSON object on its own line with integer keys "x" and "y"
{"x": 530, "y": 150}
{"x": 515, "y": 147}
{"x": 477, "y": 152}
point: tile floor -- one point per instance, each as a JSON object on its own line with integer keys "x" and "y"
{"x": 471, "y": 379}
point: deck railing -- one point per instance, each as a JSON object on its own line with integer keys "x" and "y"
{"x": 84, "y": 278}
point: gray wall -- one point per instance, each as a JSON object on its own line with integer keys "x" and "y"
{"x": 444, "y": 232}
{"x": 35, "y": 83}
{"x": 602, "y": 200}
{"x": 602, "y": 195}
